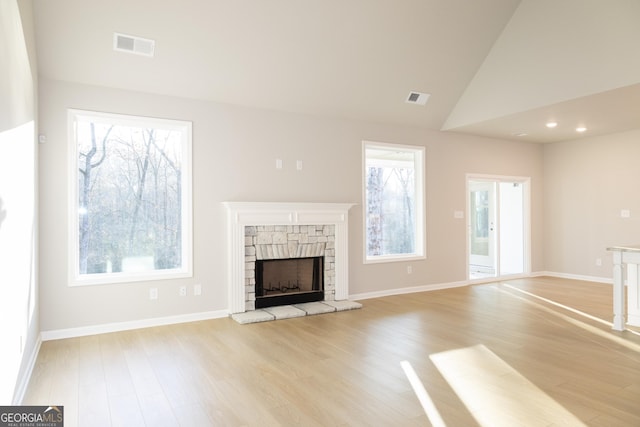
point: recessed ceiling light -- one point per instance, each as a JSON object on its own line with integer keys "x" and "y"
{"x": 552, "y": 124}
{"x": 581, "y": 129}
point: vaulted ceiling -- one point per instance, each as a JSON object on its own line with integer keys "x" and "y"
{"x": 498, "y": 68}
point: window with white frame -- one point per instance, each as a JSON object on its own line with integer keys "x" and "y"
{"x": 130, "y": 198}
{"x": 393, "y": 181}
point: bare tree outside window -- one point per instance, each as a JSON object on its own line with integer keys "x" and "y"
{"x": 393, "y": 201}
{"x": 130, "y": 196}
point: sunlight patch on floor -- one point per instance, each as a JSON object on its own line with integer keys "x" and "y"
{"x": 566, "y": 307}
{"x": 425, "y": 400}
{"x": 557, "y": 304}
{"x": 589, "y": 328}
{"x": 495, "y": 393}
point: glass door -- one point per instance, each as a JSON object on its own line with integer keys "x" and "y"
{"x": 496, "y": 225}
{"x": 482, "y": 241}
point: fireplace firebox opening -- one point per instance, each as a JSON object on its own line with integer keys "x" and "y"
{"x": 289, "y": 281}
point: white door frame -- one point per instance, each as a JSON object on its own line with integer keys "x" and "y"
{"x": 526, "y": 213}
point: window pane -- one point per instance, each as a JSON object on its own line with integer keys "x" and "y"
{"x": 129, "y": 195}
{"x": 391, "y": 177}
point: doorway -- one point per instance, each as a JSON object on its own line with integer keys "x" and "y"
{"x": 498, "y": 225}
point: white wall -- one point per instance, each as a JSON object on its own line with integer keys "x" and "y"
{"x": 553, "y": 51}
{"x": 19, "y": 324}
{"x": 16, "y": 84}
{"x": 234, "y": 152}
{"x": 587, "y": 183}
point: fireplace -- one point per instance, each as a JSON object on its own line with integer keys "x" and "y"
{"x": 289, "y": 281}
{"x": 288, "y": 264}
{"x": 264, "y": 231}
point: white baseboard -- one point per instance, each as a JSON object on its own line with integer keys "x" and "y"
{"x": 574, "y": 277}
{"x": 126, "y": 326}
{"x": 409, "y": 290}
{"x": 438, "y": 286}
{"x": 194, "y": 317}
{"x": 23, "y": 381}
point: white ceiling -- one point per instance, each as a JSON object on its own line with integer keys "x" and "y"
{"x": 492, "y": 67}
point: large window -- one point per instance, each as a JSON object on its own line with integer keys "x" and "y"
{"x": 130, "y": 198}
{"x": 393, "y": 202}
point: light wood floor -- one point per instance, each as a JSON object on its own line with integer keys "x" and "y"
{"x": 486, "y": 355}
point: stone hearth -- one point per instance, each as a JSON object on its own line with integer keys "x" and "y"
{"x": 291, "y": 311}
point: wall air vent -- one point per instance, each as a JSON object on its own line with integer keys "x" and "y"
{"x": 133, "y": 44}
{"x": 417, "y": 98}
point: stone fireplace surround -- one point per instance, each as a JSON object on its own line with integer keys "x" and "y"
{"x": 318, "y": 220}
{"x": 271, "y": 242}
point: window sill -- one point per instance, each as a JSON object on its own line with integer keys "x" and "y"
{"x": 115, "y": 278}
{"x": 393, "y": 258}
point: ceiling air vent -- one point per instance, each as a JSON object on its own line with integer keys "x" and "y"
{"x": 133, "y": 44}
{"x": 418, "y": 98}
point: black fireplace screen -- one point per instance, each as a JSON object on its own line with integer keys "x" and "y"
{"x": 289, "y": 281}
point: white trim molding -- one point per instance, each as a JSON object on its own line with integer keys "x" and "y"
{"x": 596, "y": 279}
{"x": 409, "y": 290}
{"x": 127, "y": 326}
{"x": 23, "y": 381}
{"x": 241, "y": 214}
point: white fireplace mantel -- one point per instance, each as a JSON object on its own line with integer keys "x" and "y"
{"x": 242, "y": 214}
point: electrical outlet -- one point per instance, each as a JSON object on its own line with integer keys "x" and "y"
{"x": 409, "y": 269}
{"x": 153, "y": 293}
{"x": 197, "y": 289}
{"x": 183, "y": 291}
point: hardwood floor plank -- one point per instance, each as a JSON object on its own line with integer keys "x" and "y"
{"x": 546, "y": 342}
{"x": 156, "y": 410}
{"x": 93, "y": 405}
{"x": 125, "y": 411}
